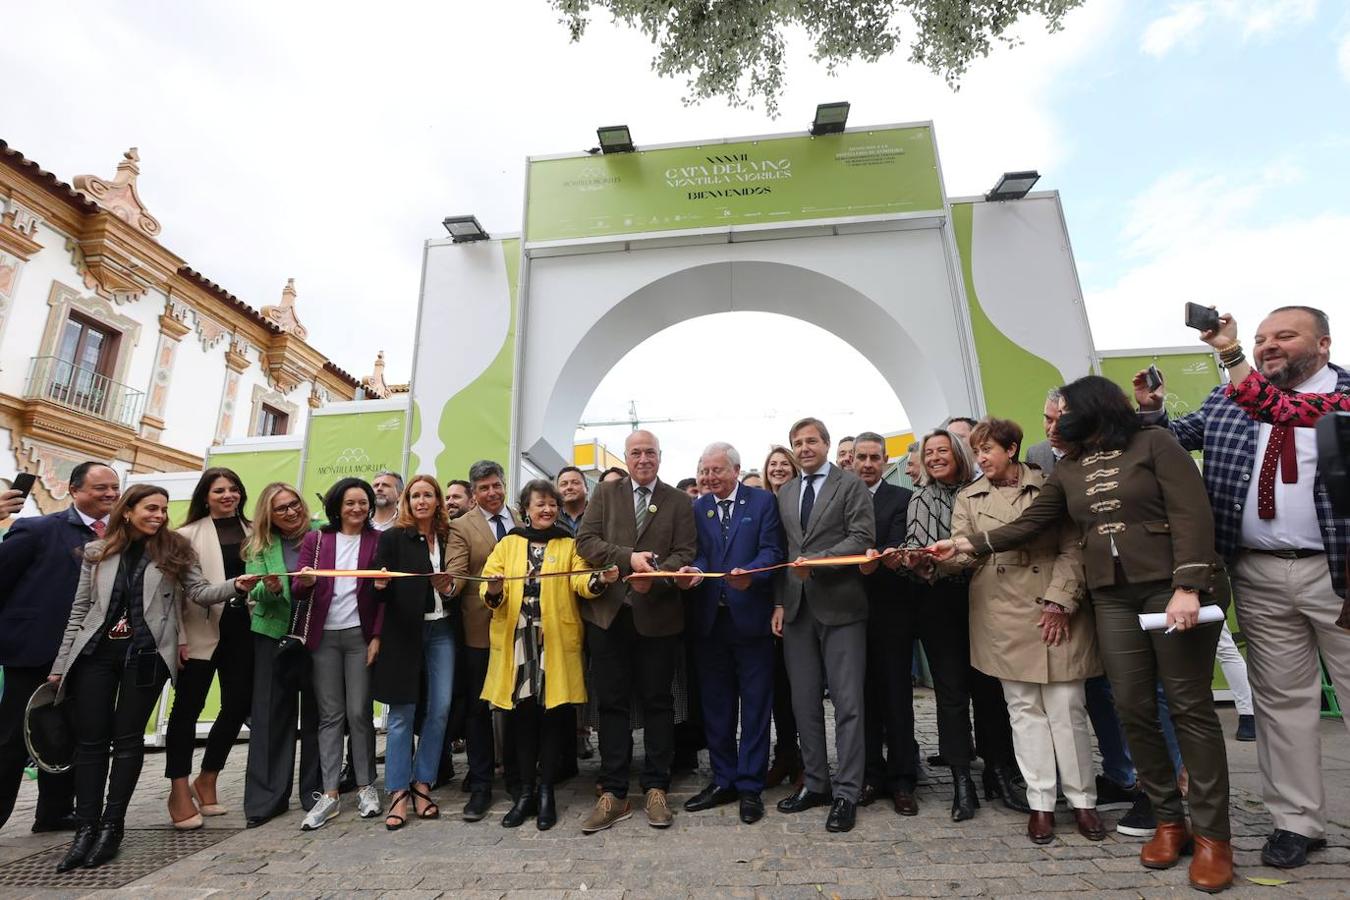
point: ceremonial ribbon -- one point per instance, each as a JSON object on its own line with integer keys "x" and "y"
{"x": 854, "y": 560}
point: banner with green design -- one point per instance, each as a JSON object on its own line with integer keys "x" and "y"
{"x": 258, "y": 468}
{"x": 353, "y": 444}
{"x": 1188, "y": 375}
{"x": 742, "y": 182}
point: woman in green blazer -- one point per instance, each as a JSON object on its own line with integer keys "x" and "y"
{"x": 281, "y": 521}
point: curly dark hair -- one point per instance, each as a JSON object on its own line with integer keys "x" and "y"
{"x": 332, "y": 501}
{"x": 1106, "y": 418}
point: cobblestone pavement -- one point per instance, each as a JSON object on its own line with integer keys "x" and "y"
{"x": 704, "y": 854}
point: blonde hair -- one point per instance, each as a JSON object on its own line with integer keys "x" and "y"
{"x": 792, "y": 461}
{"x": 260, "y": 541}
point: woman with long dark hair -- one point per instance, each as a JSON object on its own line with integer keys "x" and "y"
{"x": 1147, "y": 534}
{"x": 415, "y": 647}
{"x": 215, "y": 641}
{"x": 344, "y": 618}
{"x": 780, "y": 467}
{"x": 120, "y": 646}
{"x": 281, "y": 676}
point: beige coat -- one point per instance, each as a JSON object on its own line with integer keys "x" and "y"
{"x": 1008, "y": 588}
{"x": 201, "y": 625}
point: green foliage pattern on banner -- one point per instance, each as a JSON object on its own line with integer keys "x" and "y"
{"x": 785, "y": 179}
{"x": 351, "y": 444}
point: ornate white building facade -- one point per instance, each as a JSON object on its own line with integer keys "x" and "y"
{"x": 114, "y": 348}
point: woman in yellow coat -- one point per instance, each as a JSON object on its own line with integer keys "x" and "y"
{"x": 535, "y": 666}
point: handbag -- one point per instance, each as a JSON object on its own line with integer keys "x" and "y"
{"x": 292, "y": 644}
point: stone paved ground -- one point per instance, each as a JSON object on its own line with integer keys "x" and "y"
{"x": 704, "y": 854}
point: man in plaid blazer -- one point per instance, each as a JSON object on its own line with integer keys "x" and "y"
{"x": 1286, "y": 550}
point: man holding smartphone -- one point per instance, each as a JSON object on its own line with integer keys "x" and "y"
{"x": 40, "y": 561}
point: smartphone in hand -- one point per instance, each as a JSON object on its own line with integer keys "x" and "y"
{"x": 1201, "y": 317}
{"x": 23, "y": 482}
{"x": 1153, "y": 377}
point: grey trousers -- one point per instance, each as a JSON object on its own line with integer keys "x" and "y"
{"x": 342, "y": 692}
{"x": 840, "y": 651}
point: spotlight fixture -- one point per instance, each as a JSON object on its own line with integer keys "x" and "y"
{"x": 464, "y": 229}
{"x": 615, "y": 139}
{"x": 830, "y": 118}
{"x": 1014, "y": 185}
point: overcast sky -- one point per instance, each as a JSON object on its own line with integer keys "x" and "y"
{"x": 1199, "y": 146}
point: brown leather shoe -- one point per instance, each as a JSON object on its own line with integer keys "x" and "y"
{"x": 608, "y": 810}
{"x": 1212, "y": 865}
{"x": 1089, "y": 823}
{"x": 1041, "y": 827}
{"x": 1168, "y": 843}
{"x": 658, "y": 809}
{"x": 905, "y": 804}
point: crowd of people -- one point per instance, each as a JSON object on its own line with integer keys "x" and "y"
{"x": 736, "y": 603}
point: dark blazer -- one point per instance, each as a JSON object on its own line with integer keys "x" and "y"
{"x": 842, "y": 524}
{"x": 609, "y": 536}
{"x": 397, "y": 676}
{"x": 1148, "y": 498}
{"x": 320, "y": 594}
{"x": 889, "y": 507}
{"x": 1042, "y": 456}
{"x": 40, "y": 560}
{"x": 754, "y": 540}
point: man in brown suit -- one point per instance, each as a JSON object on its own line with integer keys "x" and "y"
{"x": 472, "y": 537}
{"x": 633, "y": 629}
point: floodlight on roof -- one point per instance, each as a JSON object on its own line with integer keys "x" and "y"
{"x": 615, "y": 139}
{"x": 830, "y": 118}
{"x": 1014, "y": 185}
{"x": 464, "y": 229}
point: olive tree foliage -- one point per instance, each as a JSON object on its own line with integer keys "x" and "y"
{"x": 734, "y": 48}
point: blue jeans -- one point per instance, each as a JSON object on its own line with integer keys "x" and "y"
{"x": 401, "y": 767}
{"x": 1101, "y": 706}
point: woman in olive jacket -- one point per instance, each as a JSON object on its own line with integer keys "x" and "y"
{"x": 1147, "y": 534}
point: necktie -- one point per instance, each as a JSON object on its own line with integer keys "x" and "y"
{"x": 1280, "y": 451}
{"x": 98, "y": 526}
{"x": 640, "y": 510}
{"x": 726, "y": 516}
{"x": 808, "y": 499}
{"x": 501, "y": 526}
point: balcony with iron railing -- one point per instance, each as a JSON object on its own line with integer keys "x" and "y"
{"x": 82, "y": 390}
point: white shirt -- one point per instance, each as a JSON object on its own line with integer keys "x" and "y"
{"x": 873, "y": 489}
{"x": 384, "y": 526}
{"x": 651, "y": 489}
{"x": 819, "y": 477}
{"x": 89, "y": 521}
{"x": 434, "y": 552}
{"x": 508, "y": 521}
{"x": 342, "y": 612}
{"x": 1295, "y": 525}
{"x": 718, "y": 501}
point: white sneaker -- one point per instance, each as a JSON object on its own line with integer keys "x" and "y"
{"x": 324, "y": 811}
{"x": 368, "y": 802}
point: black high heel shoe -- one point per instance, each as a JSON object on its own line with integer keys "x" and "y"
{"x": 548, "y": 808}
{"x": 999, "y": 785}
{"x": 80, "y": 846}
{"x": 106, "y": 844}
{"x": 964, "y": 799}
{"x": 525, "y": 807}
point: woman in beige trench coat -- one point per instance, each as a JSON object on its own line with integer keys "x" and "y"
{"x": 1031, "y": 627}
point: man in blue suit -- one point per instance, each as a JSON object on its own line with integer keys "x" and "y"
{"x": 40, "y": 563}
{"x": 738, "y": 531}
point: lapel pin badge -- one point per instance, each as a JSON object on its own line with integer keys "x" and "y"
{"x": 652, "y": 508}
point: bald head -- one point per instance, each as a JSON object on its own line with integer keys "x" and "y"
{"x": 642, "y": 452}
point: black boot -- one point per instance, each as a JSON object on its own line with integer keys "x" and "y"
{"x": 80, "y": 846}
{"x": 964, "y": 800}
{"x": 999, "y": 784}
{"x": 526, "y": 806}
{"x": 548, "y": 808}
{"x": 105, "y": 846}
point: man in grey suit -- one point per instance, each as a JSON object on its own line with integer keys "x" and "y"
{"x": 821, "y": 614}
{"x": 1048, "y": 452}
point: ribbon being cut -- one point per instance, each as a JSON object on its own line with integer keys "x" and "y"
{"x": 855, "y": 560}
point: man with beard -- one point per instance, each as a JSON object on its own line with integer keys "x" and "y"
{"x": 458, "y": 498}
{"x": 1285, "y": 549}
{"x": 388, "y": 487}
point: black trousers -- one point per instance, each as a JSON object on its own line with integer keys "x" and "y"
{"x": 624, "y": 664}
{"x": 233, "y": 662}
{"x": 112, "y": 697}
{"x": 478, "y": 738}
{"x": 993, "y": 730}
{"x": 690, "y": 736}
{"x": 538, "y": 735}
{"x": 888, "y": 706}
{"x": 281, "y": 688}
{"x": 56, "y": 793}
{"x": 784, "y": 720}
{"x": 944, "y": 628}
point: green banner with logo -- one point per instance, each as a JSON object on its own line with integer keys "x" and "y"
{"x": 1188, "y": 376}
{"x": 259, "y": 468}
{"x": 352, "y": 445}
{"x": 773, "y": 180}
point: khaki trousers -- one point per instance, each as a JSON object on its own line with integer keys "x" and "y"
{"x": 1287, "y": 608}
{"x": 1052, "y": 741}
